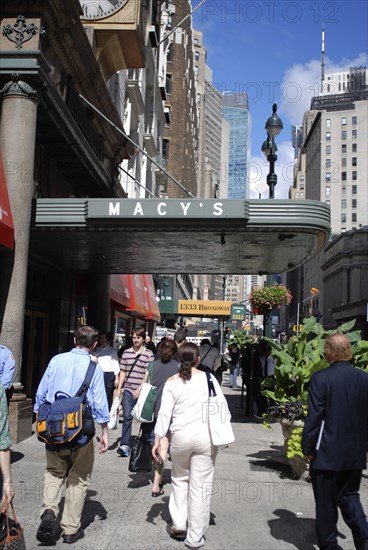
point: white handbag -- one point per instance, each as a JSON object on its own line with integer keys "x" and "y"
{"x": 218, "y": 416}
{"x": 144, "y": 409}
{"x": 114, "y": 414}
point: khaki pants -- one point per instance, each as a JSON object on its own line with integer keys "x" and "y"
{"x": 193, "y": 465}
{"x": 74, "y": 467}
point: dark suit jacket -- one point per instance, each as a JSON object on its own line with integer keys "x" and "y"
{"x": 339, "y": 396}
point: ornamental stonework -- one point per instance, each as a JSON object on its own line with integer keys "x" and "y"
{"x": 20, "y": 34}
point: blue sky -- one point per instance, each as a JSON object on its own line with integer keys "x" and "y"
{"x": 272, "y": 50}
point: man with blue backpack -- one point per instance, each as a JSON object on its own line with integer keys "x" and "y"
{"x": 70, "y": 398}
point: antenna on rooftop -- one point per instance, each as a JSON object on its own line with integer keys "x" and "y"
{"x": 323, "y": 57}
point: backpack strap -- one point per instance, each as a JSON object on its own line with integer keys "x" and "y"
{"x": 211, "y": 387}
{"x": 89, "y": 375}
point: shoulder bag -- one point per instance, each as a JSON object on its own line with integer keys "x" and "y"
{"x": 11, "y": 533}
{"x": 140, "y": 459}
{"x": 144, "y": 409}
{"x": 218, "y": 416}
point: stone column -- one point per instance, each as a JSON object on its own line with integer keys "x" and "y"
{"x": 17, "y": 142}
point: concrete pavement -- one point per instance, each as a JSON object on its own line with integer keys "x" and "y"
{"x": 255, "y": 502}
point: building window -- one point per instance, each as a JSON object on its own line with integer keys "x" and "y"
{"x": 344, "y": 134}
{"x": 354, "y": 217}
{"x": 328, "y": 202}
{"x": 301, "y": 186}
{"x": 343, "y": 176}
{"x": 328, "y": 136}
{"x": 343, "y": 121}
{"x": 196, "y": 56}
{"x": 354, "y": 189}
{"x": 354, "y": 120}
{"x": 354, "y": 134}
{"x": 343, "y": 203}
{"x": 168, "y": 83}
{"x": 343, "y": 190}
{"x": 165, "y": 148}
{"x": 343, "y": 162}
{"x": 328, "y": 191}
{"x": 169, "y": 55}
{"x": 354, "y": 175}
{"x": 354, "y": 203}
{"x": 328, "y": 122}
{"x": 328, "y": 163}
{"x": 343, "y": 229}
{"x": 343, "y": 217}
{"x": 343, "y": 148}
{"x": 328, "y": 176}
{"x": 354, "y": 148}
{"x": 354, "y": 161}
{"x": 328, "y": 149}
{"x": 301, "y": 178}
{"x": 296, "y": 195}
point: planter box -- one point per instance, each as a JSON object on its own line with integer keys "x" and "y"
{"x": 299, "y": 466}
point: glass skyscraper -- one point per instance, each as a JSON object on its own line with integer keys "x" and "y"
{"x": 236, "y": 112}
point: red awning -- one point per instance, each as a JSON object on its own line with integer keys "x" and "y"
{"x": 6, "y": 219}
{"x": 120, "y": 291}
{"x": 137, "y": 294}
{"x": 137, "y": 289}
{"x": 154, "y": 314}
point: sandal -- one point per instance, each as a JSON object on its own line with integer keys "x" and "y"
{"x": 177, "y": 534}
{"x": 156, "y": 494}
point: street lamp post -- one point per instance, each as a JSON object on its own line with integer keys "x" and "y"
{"x": 269, "y": 148}
{"x": 273, "y": 126}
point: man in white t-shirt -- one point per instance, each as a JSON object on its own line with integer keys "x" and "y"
{"x": 109, "y": 362}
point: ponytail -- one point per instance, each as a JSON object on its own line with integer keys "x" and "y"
{"x": 188, "y": 357}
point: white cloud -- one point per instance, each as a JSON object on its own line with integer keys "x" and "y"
{"x": 302, "y": 81}
{"x": 259, "y": 168}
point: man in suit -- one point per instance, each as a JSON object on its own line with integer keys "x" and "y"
{"x": 335, "y": 441}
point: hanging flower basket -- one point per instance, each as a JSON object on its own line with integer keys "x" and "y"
{"x": 265, "y": 298}
{"x": 256, "y": 310}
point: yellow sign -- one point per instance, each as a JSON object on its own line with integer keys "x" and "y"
{"x": 204, "y": 307}
{"x": 297, "y": 328}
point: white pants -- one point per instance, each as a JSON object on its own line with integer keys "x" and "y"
{"x": 193, "y": 465}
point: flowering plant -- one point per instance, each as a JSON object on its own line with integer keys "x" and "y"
{"x": 267, "y": 297}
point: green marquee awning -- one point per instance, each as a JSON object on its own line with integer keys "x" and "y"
{"x": 179, "y": 235}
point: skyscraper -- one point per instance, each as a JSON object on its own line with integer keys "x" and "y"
{"x": 236, "y": 112}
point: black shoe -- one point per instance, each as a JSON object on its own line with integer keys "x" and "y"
{"x": 45, "y": 532}
{"x": 71, "y": 539}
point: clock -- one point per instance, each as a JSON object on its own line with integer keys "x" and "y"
{"x": 99, "y": 9}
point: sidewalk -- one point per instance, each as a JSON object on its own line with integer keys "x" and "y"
{"x": 255, "y": 502}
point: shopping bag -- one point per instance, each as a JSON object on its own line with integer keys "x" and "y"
{"x": 140, "y": 456}
{"x": 11, "y": 533}
{"x": 114, "y": 414}
{"x": 218, "y": 416}
{"x": 144, "y": 409}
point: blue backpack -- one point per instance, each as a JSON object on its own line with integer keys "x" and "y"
{"x": 68, "y": 422}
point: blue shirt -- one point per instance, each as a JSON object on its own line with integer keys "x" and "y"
{"x": 7, "y": 367}
{"x": 66, "y": 372}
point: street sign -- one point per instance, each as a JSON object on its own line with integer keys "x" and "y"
{"x": 238, "y": 312}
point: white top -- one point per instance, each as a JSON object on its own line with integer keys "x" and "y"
{"x": 108, "y": 359}
{"x": 184, "y": 404}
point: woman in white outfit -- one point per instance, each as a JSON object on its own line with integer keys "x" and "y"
{"x": 184, "y": 412}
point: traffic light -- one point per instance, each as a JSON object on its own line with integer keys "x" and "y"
{"x": 297, "y": 328}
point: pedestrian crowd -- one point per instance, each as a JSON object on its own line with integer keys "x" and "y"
{"x": 186, "y": 376}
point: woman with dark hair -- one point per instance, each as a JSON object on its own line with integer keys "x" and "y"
{"x": 184, "y": 411}
{"x": 160, "y": 370}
